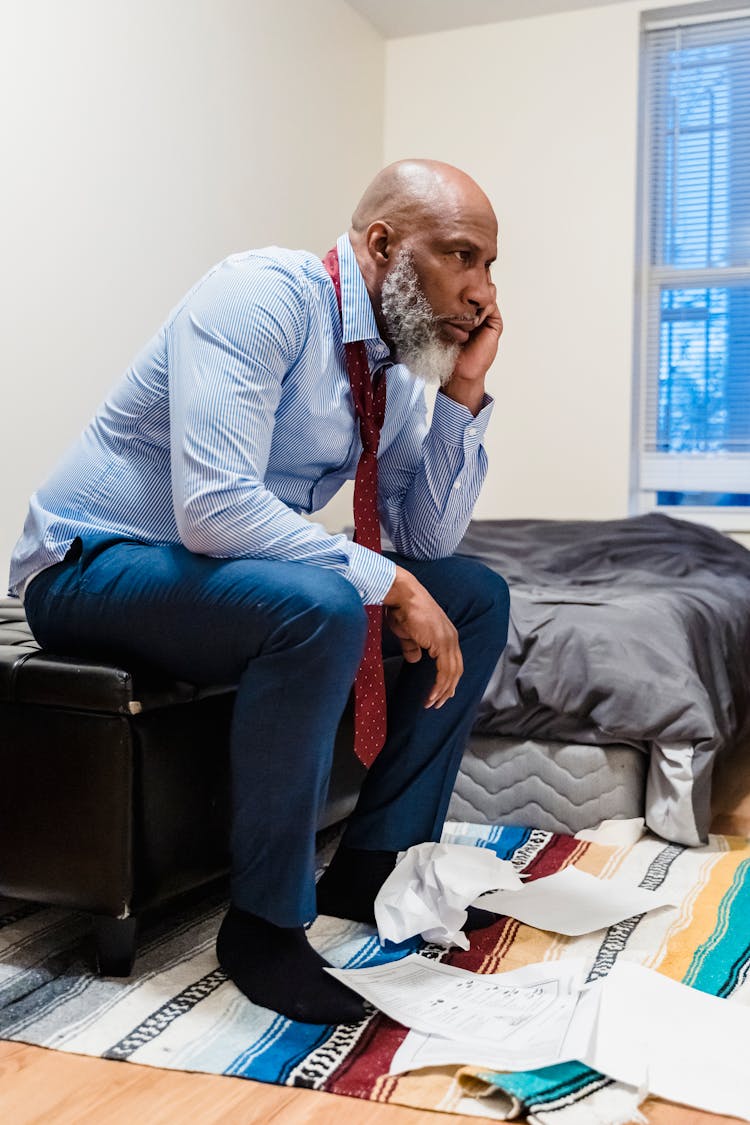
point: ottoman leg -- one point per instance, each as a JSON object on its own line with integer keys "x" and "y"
{"x": 115, "y": 945}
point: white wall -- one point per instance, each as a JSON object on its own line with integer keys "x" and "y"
{"x": 141, "y": 142}
{"x": 144, "y": 141}
{"x": 543, "y": 112}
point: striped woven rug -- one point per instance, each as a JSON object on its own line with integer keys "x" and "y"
{"x": 179, "y": 1011}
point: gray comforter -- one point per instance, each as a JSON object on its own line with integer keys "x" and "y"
{"x": 627, "y": 631}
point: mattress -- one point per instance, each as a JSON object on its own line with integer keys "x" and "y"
{"x": 623, "y": 633}
{"x": 554, "y": 786}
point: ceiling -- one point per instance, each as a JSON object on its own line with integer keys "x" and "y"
{"x": 395, "y": 18}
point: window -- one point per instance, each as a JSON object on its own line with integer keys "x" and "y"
{"x": 694, "y": 276}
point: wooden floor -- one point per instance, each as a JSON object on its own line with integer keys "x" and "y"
{"x": 46, "y": 1087}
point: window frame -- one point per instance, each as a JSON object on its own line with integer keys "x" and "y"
{"x": 651, "y": 280}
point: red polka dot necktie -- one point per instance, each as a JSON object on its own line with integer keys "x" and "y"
{"x": 369, "y": 403}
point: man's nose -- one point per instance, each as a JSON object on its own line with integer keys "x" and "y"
{"x": 479, "y": 293}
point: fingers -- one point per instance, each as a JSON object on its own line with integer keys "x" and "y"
{"x": 411, "y": 650}
{"x": 449, "y": 669}
{"x": 421, "y": 625}
{"x": 494, "y": 318}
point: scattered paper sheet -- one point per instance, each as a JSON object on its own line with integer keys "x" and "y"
{"x": 429, "y": 889}
{"x": 557, "y": 1033}
{"x": 571, "y": 902}
{"x": 440, "y": 999}
{"x": 620, "y": 833}
{"x": 681, "y": 1044}
{"x": 634, "y": 1025}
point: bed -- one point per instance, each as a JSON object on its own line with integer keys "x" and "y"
{"x": 627, "y": 672}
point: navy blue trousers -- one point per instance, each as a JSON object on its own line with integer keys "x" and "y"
{"x": 291, "y": 636}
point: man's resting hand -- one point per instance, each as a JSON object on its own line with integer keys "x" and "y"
{"x": 417, "y": 620}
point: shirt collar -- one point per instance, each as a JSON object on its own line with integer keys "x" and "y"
{"x": 357, "y": 316}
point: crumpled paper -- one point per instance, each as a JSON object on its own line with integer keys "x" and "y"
{"x": 620, "y": 833}
{"x": 430, "y": 887}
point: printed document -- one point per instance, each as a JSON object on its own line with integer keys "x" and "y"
{"x": 527, "y": 1010}
{"x": 559, "y": 1034}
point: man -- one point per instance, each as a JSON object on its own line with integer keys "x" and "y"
{"x": 172, "y": 533}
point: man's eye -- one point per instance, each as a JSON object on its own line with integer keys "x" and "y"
{"x": 463, "y": 255}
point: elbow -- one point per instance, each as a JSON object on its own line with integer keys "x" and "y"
{"x": 193, "y": 537}
{"x": 222, "y": 523}
{"x": 421, "y": 548}
{"x": 426, "y": 545}
{"x": 199, "y": 532}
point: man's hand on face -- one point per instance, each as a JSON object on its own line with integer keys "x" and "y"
{"x": 478, "y": 353}
{"x": 420, "y": 624}
{"x": 466, "y": 384}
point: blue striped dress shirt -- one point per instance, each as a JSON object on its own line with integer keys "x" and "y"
{"x": 237, "y": 418}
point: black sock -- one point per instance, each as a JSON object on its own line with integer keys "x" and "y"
{"x": 478, "y": 919}
{"x": 276, "y": 967}
{"x": 350, "y": 884}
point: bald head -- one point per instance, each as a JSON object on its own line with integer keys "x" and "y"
{"x": 425, "y": 237}
{"x": 418, "y": 191}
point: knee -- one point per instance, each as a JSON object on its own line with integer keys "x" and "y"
{"x": 480, "y": 585}
{"x": 486, "y": 594}
{"x": 493, "y": 588}
{"x": 343, "y": 611}
{"x": 492, "y": 608}
{"x": 326, "y": 613}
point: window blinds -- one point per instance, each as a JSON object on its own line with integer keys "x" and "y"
{"x": 695, "y": 281}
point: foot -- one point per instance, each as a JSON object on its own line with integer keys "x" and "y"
{"x": 276, "y": 967}
{"x": 350, "y": 884}
{"x": 477, "y": 919}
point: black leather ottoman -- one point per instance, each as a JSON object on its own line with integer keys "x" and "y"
{"x": 114, "y": 786}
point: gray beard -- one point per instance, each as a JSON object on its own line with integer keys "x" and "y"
{"x": 412, "y": 325}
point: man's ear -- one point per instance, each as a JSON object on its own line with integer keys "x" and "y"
{"x": 379, "y": 240}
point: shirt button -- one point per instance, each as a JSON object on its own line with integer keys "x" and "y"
{"x": 472, "y": 430}
{"x": 361, "y": 593}
{"x": 457, "y": 484}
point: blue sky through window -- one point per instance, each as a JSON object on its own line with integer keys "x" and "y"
{"x": 702, "y": 222}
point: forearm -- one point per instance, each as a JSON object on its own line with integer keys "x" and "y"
{"x": 428, "y": 514}
{"x": 249, "y": 521}
{"x": 431, "y": 519}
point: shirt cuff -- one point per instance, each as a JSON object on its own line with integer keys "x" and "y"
{"x": 371, "y": 574}
{"x": 456, "y": 425}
